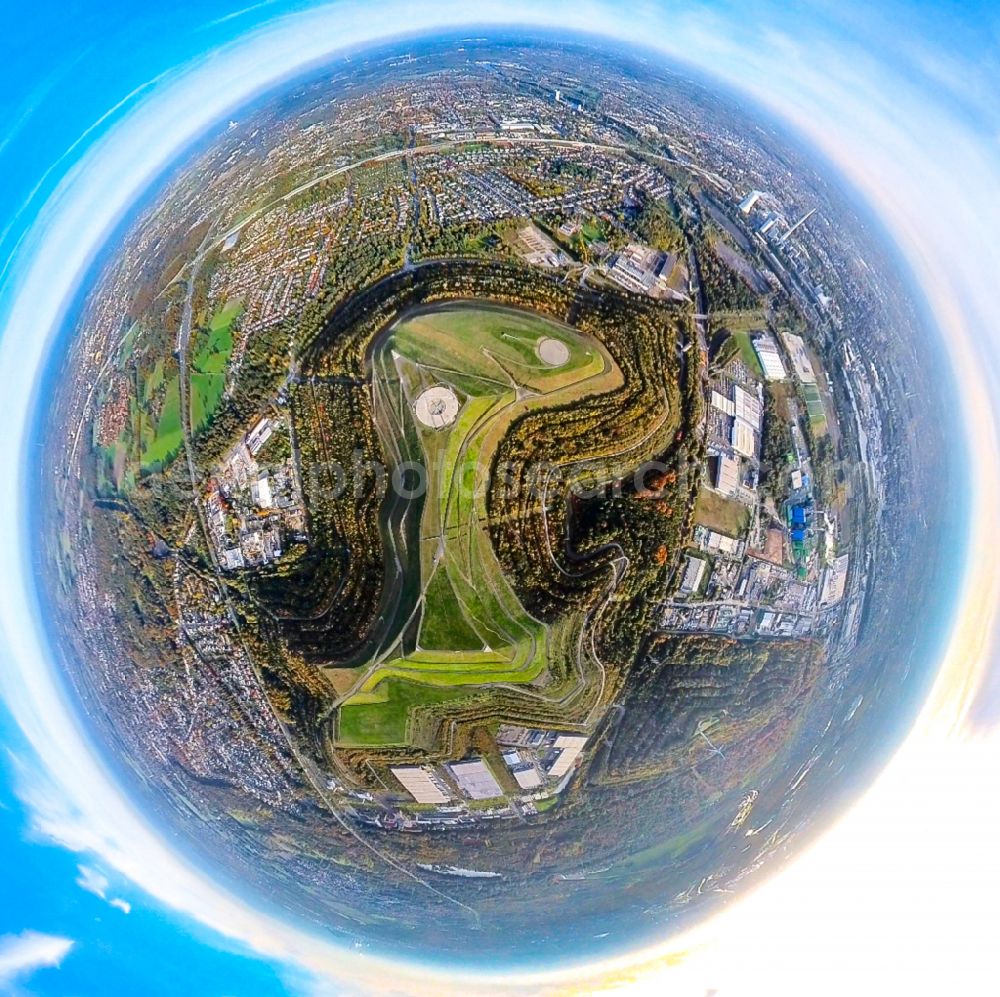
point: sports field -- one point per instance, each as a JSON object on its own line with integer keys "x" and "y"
{"x": 472, "y": 630}
{"x": 814, "y": 406}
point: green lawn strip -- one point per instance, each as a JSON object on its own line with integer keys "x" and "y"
{"x": 152, "y": 382}
{"x": 443, "y": 626}
{"x": 208, "y": 365}
{"x": 814, "y": 407}
{"x": 457, "y": 668}
{"x": 592, "y": 231}
{"x": 457, "y": 339}
{"x": 747, "y": 353}
{"x": 369, "y": 723}
{"x": 158, "y": 448}
{"x": 206, "y": 393}
{"x": 227, "y": 315}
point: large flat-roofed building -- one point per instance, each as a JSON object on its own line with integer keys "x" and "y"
{"x": 694, "y": 571}
{"x": 834, "y": 581}
{"x": 475, "y": 779}
{"x": 722, "y": 543}
{"x": 743, "y": 439}
{"x": 642, "y": 269}
{"x": 722, "y": 403}
{"x": 260, "y": 491}
{"x": 766, "y": 348}
{"x": 422, "y": 783}
{"x": 259, "y": 435}
{"x": 747, "y": 408}
{"x": 801, "y": 363}
{"x": 727, "y": 475}
{"x": 718, "y": 543}
{"x": 570, "y": 746}
{"x": 524, "y": 772}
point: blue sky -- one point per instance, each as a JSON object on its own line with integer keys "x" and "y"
{"x": 903, "y": 99}
{"x": 63, "y": 66}
{"x": 145, "y": 951}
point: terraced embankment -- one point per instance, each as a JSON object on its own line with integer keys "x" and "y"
{"x": 468, "y": 628}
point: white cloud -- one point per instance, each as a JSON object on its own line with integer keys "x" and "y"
{"x": 92, "y": 881}
{"x": 95, "y": 882}
{"x": 23, "y": 954}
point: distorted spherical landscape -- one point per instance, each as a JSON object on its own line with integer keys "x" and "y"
{"x": 487, "y": 498}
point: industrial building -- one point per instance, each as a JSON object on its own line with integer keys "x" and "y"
{"x": 747, "y": 408}
{"x": 742, "y": 439}
{"x": 723, "y": 404}
{"x": 524, "y": 771}
{"x": 694, "y": 572}
{"x": 643, "y": 269}
{"x": 569, "y": 747}
{"x": 766, "y": 348}
{"x": 260, "y": 491}
{"x": 801, "y": 363}
{"x": 475, "y": 779}
{"x": 259, "y": 435}
{"x": 727, "y": 475}
{"x": 769, "y": 222}
{"x": 834, "y": 581}
{"x": 718, "y": 543}
{"x": 422, "y": 783}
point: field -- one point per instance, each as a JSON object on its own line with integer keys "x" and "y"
{"x": 720, "y": 514}
{"x": 384, "y": 719}
{"x": 747, "y": 354}
{"x": 814, "y": 406}
{"x": 153, "y": 433}
{"x": 212, "y": 350}
{"x": 160, "y": 443}
{"x": 472, "y": 630}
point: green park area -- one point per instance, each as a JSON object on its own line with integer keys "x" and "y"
{"x": 483, "y": 367}
{"x": 152, "y": 434}
{"x": 212, "y": 349}
{"x": 160, "y": 438}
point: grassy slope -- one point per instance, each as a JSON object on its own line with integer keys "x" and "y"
{"x": 468, "y": 603}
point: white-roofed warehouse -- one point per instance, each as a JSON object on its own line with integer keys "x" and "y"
{"x": 422, "y": 783}
{"x": 475, "y": 779}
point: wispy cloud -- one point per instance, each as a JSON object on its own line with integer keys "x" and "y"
{"x": 93, "y": 881}
{"x": 23, "y": 954}
{"x": 226, "y": 18}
